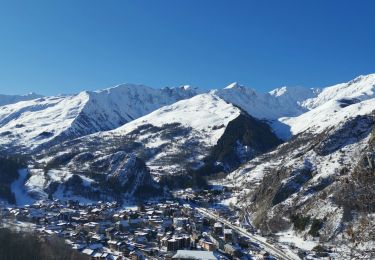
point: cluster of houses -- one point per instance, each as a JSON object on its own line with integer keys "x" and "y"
{"x": 105, "y": 230}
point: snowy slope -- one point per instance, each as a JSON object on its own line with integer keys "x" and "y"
{"x": 32, "y": 123}
{"x": 278, "y": 103}
{"x": 306, "y": 178}
{"x": 335, "y": 105}
{"x": 29, "y": 124}
{"x": 362, "y": 88}
{"x": 170, "y": 140}
{"x": 202, "y": 113}
{"x": 175, "y": 142}
{"x": 331, "y": 114}
{"x": 10, "y": 99}
{"x": 294, "y": 101}
{"x": 282, "y": 106}
{"x": 324, "y": 174}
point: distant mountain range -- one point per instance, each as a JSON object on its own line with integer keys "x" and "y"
{"x": 10, "y": 99}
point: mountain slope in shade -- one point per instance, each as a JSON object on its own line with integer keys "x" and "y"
{"x": 10, "y": 99}
{"x": 29, "y": 124}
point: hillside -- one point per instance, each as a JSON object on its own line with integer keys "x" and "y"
{"x": 318, "y": 185}
{"x": 36, "y": 123}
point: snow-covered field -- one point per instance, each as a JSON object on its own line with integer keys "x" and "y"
{"x": 18, "y": 188}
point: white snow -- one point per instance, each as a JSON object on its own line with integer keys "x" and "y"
{"x": 290, "y": 237}
{"x": 275, "y": 104}
{"x": 362, "y": 88}
{"x": 330, "y": 114}
{"x": 18, "y": 188}
{"x": 35, "y": 122}
{"x": 230, "y": 201}
{"x": 27, "y": 120}
{"x": 202, "y": 113}
{"x": 36, "y": 183}
{"x": 291, "y": 110}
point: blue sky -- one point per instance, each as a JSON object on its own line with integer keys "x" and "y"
{"x": 53, "y": 47}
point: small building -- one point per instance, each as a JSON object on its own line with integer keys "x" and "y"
{"x": 228, "y": 234}
{"x": 218, "y": 228}
{"x": 172, "y": 245}
{"x": 206, "y": 244}
{"x": 180, "y": 221}
{"x": 194, "y": 254}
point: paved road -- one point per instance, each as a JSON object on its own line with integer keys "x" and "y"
{"x": 273, "y": 250}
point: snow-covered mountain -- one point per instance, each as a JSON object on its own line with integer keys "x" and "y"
{"x": 294, "y": 101}
{"x": 29, "y": 124}
{"x": 360, "y": 88}
{"x": 319, "y": 185}
{"x": 176, "y": 142}
{"x": 281, "y": 102}
{"x": 36, "y": 123}
{"x": 282, "y": 106}
{"x": 334, "y": 105}
{"x": 10, "y": 99}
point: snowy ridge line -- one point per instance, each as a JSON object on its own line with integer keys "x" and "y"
{"x": 41, "y": 121}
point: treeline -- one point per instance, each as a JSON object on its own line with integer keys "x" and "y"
{"x": 21, "y": 246}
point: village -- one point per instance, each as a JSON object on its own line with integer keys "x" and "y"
{"x": 172, "y": 229}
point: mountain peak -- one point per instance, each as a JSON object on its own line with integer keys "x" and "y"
{"x": 186, "y": 87}
{"x": 234, "y": 85}
{"x": 278, "y": 91}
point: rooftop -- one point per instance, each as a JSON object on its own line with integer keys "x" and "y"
{"x": 193, "y": 254}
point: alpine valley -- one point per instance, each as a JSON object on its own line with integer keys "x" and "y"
{"x": 296, "y": 164}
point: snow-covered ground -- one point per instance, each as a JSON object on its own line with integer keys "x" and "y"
{"x": 205, "y": 113}
{"x": 18, "y": 188}
{"x": 290, "y": 237}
